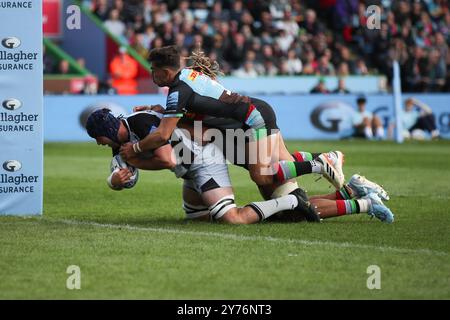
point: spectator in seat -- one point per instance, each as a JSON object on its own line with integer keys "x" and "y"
{"x": 320, "y": 87}
{"x": 101, "y": 9}
{"x": 341, "y": 87}
{"x": 325, "y": 67}
{"x": 343, "y": 70}
{"x": 294, "y": 64}
{"x": 436, "y": 73}
{"x": 64, "y": 67}
{"x": 361, "y": 68}
{"x": 247, "y": 71}
{"x": 90, "y": 86}
{"x": 114, "y": 25}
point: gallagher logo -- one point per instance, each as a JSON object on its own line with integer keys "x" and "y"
{"x": 11, "y": 104}
{"x": 12, "y": 165}
{"x": 332, "y": 117}
{"x": 11, "y": 43}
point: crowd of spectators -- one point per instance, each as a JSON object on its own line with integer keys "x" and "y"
{"x": 292, "y": 37}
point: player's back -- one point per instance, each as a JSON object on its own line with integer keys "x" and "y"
{"x": 198, "y": 93}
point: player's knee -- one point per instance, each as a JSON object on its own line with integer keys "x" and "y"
{"x": 195, "y": 212}
{"x": 260, "y": 179}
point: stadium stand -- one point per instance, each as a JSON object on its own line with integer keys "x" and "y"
{"x": 293, "y": 37}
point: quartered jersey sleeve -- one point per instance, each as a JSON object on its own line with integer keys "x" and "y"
{"x": 177, "y": 101}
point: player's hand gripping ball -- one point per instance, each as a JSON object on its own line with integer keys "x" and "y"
{"x": 118, "y": 163}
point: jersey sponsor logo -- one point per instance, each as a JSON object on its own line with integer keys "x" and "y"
{"x": 193, "y": 75}
{"x": 172, "y": 100}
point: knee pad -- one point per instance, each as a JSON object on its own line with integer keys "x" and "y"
{"x": 221, "y": 207}
{"x": 194, "y": 211}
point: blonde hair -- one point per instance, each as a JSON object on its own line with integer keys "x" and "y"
{"x": 203, "y": 64}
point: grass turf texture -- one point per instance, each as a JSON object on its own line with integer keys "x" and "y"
{"x": 162, "y": 257}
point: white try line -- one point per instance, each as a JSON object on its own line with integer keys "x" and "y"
{"x": 237, "y": 237}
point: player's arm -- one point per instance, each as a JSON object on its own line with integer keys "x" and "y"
{"x": 152, "y": 141}
{"x": 160, "y": 136}
{"x": 156, "y": 107}
{"x": 176, "y": 104}
{"x": 162, "y": 159}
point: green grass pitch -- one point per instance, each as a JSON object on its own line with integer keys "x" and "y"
{"x": 134, "y": 244}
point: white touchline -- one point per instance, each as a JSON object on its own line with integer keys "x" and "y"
{"x": 238, "y": 237}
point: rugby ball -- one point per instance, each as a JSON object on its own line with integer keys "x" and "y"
{"x": 118, "y": 163}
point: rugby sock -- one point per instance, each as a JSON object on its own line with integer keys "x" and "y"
{"x": 368, "y": 132}
{"x": 304, "y": 156}
{"x": 352, "y": 206}
{"x": 286, "y": 170}
{"x": 268, "y": 208}
{"x": 343, "y": 194}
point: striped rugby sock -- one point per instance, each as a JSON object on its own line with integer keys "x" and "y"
{"x": 343, "y": 194}
{"x": 352, "y": 206}
{"x": 301, "y": 156}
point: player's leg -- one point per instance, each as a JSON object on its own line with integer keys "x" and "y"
{"x": 329, "y": 165}
{"x": 302, "y": 156}
{"x": 193, "y": 204}
{"x": 360, "y": 195}
{"x": 266, "y": 144}
{"x": 213, "y": 183}
{"x": 211, "y": 178}
{"x": 271, "y": 163}
{"x": 357, "y": 187}
{"x": 370, "y": 204}
{"x": 223, "y": 208}
{"x": 260, "y": 152}
{"x": 266, "y": 151}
